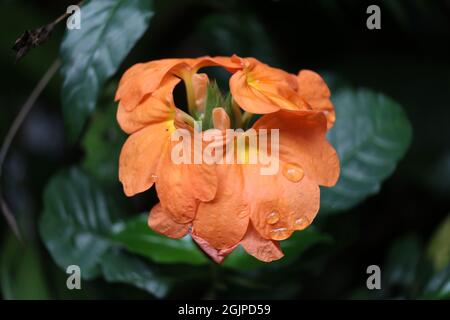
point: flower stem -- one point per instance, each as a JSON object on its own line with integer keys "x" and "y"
{"x": 237, "y": 114}
{"x": 246, "y": 117}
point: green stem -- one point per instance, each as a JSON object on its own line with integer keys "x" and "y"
{"x": 187, "y": 118}
{"x": 246, "y": 117}
{"x": 237, "y": 114}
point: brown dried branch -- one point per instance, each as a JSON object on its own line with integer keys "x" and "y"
{"x": 33, "y": 38}
{"x": 24, "y": 110}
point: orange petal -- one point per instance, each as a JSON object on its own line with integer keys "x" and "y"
{"x": 223, "y": 221}
{"x": 157, "y": 107}
{"x": 262, "y": 249}
{"x": 161, "y": 222}
{"x": 174, "y": 191}
{"x": 216, "y": 254}
{"x": 140, "y": 157}
{"x": 144, "y": 79}
{"x": 247, "y": 97}
{"x": 221, "y": 120}
{"x": 181, "y": 186}
{"x": 259, "y": 88}
{"x": 203, "y": 181}
{"x": 200, "y": 83}
{"x": 315, "y": 91}
{"x": 281, "y": 206}
{"x": 302, "y": 140}
{"x": 232, "y": 64}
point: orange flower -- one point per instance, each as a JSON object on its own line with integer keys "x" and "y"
{"x": 145, "y": 156}
{"x": 315, "y": 92}
{"x": 224, "y": 205}
{"x": 145, "y": 78}
{"x": 259, "y": 88}
{"x": 258, "y": 210}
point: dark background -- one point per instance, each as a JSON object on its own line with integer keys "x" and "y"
{"x": 408, "y": 60}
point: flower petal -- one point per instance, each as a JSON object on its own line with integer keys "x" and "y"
{"x": 247, "y": 97}
{"x": 232, "y": 64}
{"x": 280, "y": 206}
{"x": 223, "y": 221}
{"x": 157, "y": 107}
{"x": 262, "y": 249}
{"x": 259, "y": 88}
{"x": 161, "y": 222}
{"x": 181, "y": 186}
{"x": 315, "y": 91}
{"x": 200, "y": 83}
{"x": 302, "y": 140}
{"x": 140, "y": 157}
{"x": 216, "y": 254}
{"x": 221, "y": 120}
{"x": 144, "y": 79}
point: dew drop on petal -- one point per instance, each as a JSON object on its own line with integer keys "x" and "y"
{"x": 280, "y": 234}
{"x": 301, "y": 223}
{"x": 293, "y": 172}
{"x": 154, "y": 177}
{"x": 273, "y": 217}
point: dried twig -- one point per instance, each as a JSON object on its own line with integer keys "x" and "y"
{"x": 25, "y": 109}
{"x": 33, "y": 38}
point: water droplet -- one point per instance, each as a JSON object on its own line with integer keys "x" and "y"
{"x": 280, "y": 234}
{"x": 293, "y": 172}
{"x": 301, "y": 223}
{"x": 154, "y": 177}
{"x": 273, "y": 217}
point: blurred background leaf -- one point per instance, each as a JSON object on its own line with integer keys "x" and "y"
{"x": 92, "y": 54}
{"x": 102, "y": 143}
{"x": 120, "y": 267}
{"x": 439, "y": 286}
{"x": 371, "y": 134}
{"x": 137, "y": 237}
{"x": 402, "y": 263}
{"x": 76, "y": 228}
{"x": 439, "y": 247}
{"x": 226, "y": 32}
{"x": 73, "y": 201}
{"x": 292, "y": 247}
{"x": 22, "y": 275}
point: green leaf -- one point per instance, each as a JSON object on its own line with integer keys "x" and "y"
{"x": 439, "y": 247}
{"x": 124, "y": 268}
{"x": 371, "y": 134}
{"x": 137, "y": 237}
{"x": 403, "y": 262}
{"x": 439, "y": 286}
{"x": 21, "y": 272}
{"x": 76, "y": 229}
{"x": 102, "y": 144}
{"x": 292, "y": 247}
{"x": 213, "y": 100}
{"x": 92, "y": 54}
{"x": 76, "y": 222}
